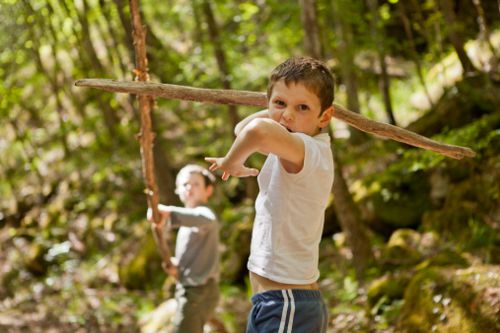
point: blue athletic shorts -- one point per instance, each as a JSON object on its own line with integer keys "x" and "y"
{"x": 287, "y": 311}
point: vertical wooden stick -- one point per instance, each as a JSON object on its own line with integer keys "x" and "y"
{"x": 146, "y": 136}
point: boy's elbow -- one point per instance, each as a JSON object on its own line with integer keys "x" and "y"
{"x": 237, "y": 129}
{"x": 256, "y": 130}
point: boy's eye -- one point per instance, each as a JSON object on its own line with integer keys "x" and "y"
{"x": 279, "y": 103}
{"x": 303, "y": 107}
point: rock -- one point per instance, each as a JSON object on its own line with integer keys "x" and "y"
{"x": 402, "y": 248}
{"x": 445, "y": 300}
{"x": 390, "y": 285}
{"x": 160, "y": 319}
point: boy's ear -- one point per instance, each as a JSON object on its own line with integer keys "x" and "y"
{"x": 325, "y": 117}
{"x": 210, "y": 190}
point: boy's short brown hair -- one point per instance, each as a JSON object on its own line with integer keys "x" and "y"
{"x": 313, "y": 73}
{"x": 194, "y": 168}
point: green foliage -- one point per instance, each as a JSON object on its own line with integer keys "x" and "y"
{"x": 73, "y": 200}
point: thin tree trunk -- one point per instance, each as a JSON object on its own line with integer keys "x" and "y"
{"x": 385, "y": 88}
{"x": 312, "y": 43}
{"x": 50, "y": 76}
{"x": 455, "y": 36}
{"x": 418, "y": 18}
{"x": 220, "y": 56}
{"x": 350, "y": 221}
{"x": 384, "y": 83}
{"x": 111, "y": 39}
{"x": 347, "y": 67}
{"x": 126, "y": 25}
{"x": 110, "y": 117}
{"x": 414, "y": 54}
{"x": 485, "y": 32}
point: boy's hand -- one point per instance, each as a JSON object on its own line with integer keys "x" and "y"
{"x": 164, "y": 213}
{"x": 170, "y": 268}
{"x": 236, "y": 169}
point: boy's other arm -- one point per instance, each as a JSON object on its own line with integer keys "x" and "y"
{"x": 164, "y": 213}
{"x": 265, "y": 136}
{"x": 260, "y": 114}
{"x": 191, "y": 217}
{"x": 181, "y": 216}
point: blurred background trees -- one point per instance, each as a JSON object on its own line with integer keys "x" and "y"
{"x": 72, "y": 227}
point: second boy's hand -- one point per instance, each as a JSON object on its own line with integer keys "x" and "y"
{"x": 230, "y": 169}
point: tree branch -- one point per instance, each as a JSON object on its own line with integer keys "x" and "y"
{"x": 238, "y": 97}
{"x": 146, "y": 137}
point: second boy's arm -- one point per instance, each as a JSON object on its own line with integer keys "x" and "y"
{"x": 182, "y": 216}
{"x": 260, "y": 135}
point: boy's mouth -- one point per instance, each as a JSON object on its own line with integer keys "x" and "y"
{"x": 288, "y": 129}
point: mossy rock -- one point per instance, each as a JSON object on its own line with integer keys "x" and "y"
{"x": 400, "y": 202}
{"x": 390, "y": 285}
{"x": 445, "y": 257}
{"x": 446, "y": 300}
{"x": 141, "y": 269}
{"x": 402, "y": 248}
{"x": 464, "y": 217}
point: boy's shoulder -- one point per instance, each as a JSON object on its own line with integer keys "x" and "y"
{"x": 323, "y": 138}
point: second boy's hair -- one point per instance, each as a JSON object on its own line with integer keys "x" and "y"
{"x": 313, "y": 73}
{"x": 194, "y": 168}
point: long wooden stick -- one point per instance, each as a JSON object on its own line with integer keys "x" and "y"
{"x": 239, "y": 97}
{"x": 146, "y": 137}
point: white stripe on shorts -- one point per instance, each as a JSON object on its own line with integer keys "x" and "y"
{"x": 284, "y": 312}
{"x": 292, "y": 310}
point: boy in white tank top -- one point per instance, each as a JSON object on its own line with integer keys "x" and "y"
{"x": 294, "y": 187}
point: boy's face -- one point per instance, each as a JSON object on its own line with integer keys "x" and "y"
{"x": 192, "y": 190}
{"x": 297, "y": 109}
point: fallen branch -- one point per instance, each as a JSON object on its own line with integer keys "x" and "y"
{"x": 238, "y": 97}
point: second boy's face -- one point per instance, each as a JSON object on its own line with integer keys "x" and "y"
{"x": 192, "y": 190}
{"x": 296, "y": 108}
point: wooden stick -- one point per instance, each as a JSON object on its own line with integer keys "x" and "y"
{"x": 146, "y": 137}
{"x": 238, "y": 97}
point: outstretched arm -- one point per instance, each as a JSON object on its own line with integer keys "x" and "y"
{"x": 260, "y": 135}
{"x": 260, "y": 114}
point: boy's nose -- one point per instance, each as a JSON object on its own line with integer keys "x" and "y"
{"x": 287, "y": 114}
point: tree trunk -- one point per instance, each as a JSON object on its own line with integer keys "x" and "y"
{"x": 485, "y": 32}
{"x": 163, "y": 170}
{"x": 455, "y": 36}
{"x": 220, "y": 56}
{"x": 413, "y": 49}
{"x": 312, "y": 43}
{"x": 49, "y": 73}
{"x": 347, "y": 67}
{"x": 345, "y": 208}
{"x": 350, "y": 221}
{"x": 384, "y": 82}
